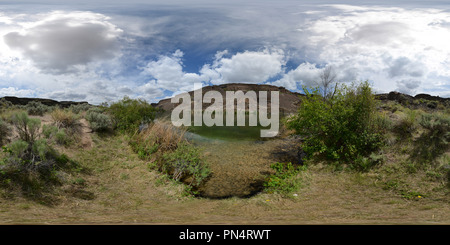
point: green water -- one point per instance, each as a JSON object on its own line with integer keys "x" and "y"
{"x": 228, "y": 133}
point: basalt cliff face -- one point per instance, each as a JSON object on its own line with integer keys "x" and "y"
{"x": 288, "y": 101}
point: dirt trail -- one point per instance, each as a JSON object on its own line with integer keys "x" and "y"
{"x": 85, "y": 137}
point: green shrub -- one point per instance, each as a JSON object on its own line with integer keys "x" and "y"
{"x": 407, "y": 123}
{"x": 185, "y": 163}
{"x": 28, "y": 128}
{"x": 435, "y": 138}
{"x": 128, "y": 113}
{"x": 79, "y": 108}
{"x": 37, "y": 108}
{"x": 340, "y": 128}
{"x": 5, "y": 105}
{"x": 98, "y": 120}
{"x": 5, "y": 132}
{"x": 49, "y": 131}
{"x": 284, "y": 179}
{"x": 61, "y": 137}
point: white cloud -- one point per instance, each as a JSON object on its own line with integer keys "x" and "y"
{"x": 379, "y": 44}
{"x": 61, "y": 42}
{"x": 245, "y": 67}
{"x": 11, "y": 91}
{"x": 305, "y": 74}
{"x": 167, "y": 73}
{"x": 407, "y": 86}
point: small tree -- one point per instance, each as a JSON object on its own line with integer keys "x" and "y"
{"x": 342, "y": 127}
{"x": 327, "y": 77}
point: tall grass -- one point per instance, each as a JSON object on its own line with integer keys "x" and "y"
{"x": 165, "y": 146}
{"x": 66, "y": 119}
{"x": 160, "y": 136}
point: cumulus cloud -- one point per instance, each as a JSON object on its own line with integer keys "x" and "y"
{"x": 305, "y": 74}
{"x": 167, "y": 73}
{"x": 245, "y": 67}
{"x": 12, "y": 91}
{"x": 403, "y": 66}
{"x": 407, "y": 86}
{"x": 62, "y": 41}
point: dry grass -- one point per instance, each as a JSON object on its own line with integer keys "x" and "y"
{"x": 160, "y": 136}
{"x": 66, "y": 119}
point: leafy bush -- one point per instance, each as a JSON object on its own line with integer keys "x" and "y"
{"x": 128, "y": 113}
{"x": 98, "y": 120}
{"x": 28, "y": 128}
{"x": 37, "y": 108}
{"x": 184, "y": 163}
{"x": 284, "y": 179}
{"x": 5, "y": 132}
{"x": 342, "y": 127}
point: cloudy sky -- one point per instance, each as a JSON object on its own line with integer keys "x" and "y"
{"x": 100, "y": 51}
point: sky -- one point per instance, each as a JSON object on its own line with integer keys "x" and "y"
{"x": 100, "y": 51}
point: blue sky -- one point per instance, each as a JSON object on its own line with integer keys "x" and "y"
{"x": 100, "y": 51}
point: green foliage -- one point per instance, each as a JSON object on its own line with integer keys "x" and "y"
{"x": 5, "y": 132}
{"x": 49, "y": 131}
{"x": 5, "y": 105}
{"x": 98, "y": 120}
{"x": 37, "y": 108}
{"x": 28, "y": 128}
{"x": 129, "y": 113}
{"x": 341, "y": 128}
{"x": 434, "y": 140}
{"x": 364, "y": 164}
{"x": 185, "y": 162}
{"x": 66, "y": 119}
{"x": 79, "y": 108}
{"x": 407, "y": 123}
{"x": 59, "y": 135}
{"x": 284, "y": 180}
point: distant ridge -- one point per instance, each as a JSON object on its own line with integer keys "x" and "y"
{"x": 289, "y": 101}
{"x": 48, "y": 102}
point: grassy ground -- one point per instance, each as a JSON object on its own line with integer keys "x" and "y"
{"x": 115, "y": 186}
{"x": 112, "y": 185}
